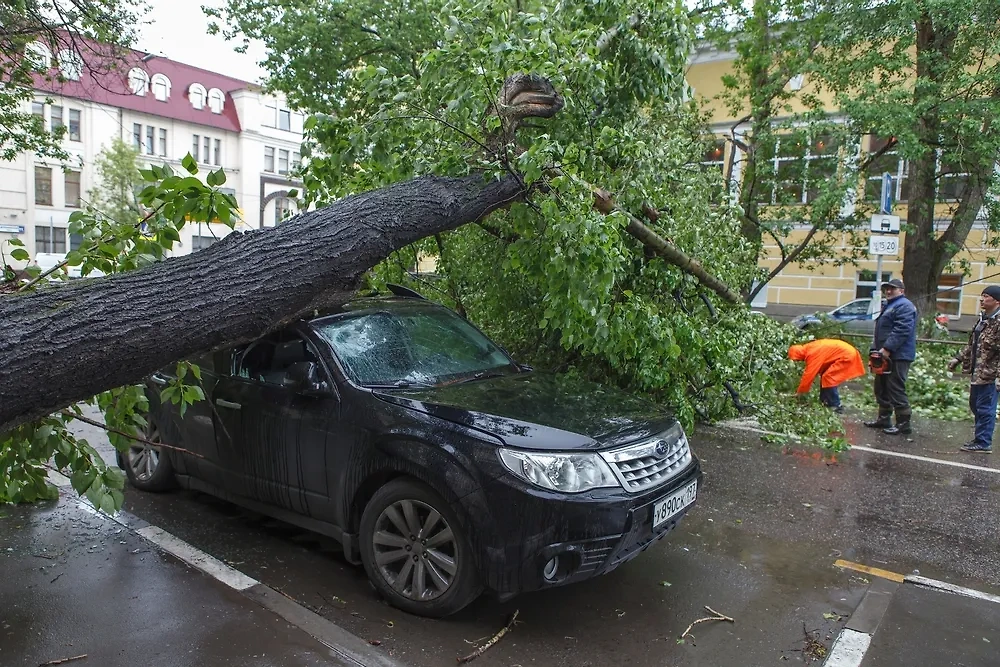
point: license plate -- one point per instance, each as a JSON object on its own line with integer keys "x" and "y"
{"x": 666, "y": 508}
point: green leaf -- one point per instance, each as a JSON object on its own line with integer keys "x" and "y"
{"x": 293, "y": 193}
{"x": 189, "y": 164}
{"x": 15, "y": 242}
{"x": 114, "y": 478}
{"x": 20, "y": 254}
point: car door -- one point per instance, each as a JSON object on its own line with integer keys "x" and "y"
{"x": 273, "y": 438}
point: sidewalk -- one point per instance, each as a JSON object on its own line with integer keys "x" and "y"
{"x": 73, "y": 583}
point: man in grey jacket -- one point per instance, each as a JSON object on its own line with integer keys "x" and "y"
{"x": 981, "y": 359}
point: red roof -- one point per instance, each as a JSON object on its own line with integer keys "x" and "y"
{"x": 104, "y": 80}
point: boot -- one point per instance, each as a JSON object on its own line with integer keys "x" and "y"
{"x": 902, "y": 426}
{"x": 884, "y": 421}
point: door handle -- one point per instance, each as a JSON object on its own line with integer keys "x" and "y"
{"x": 156, "y": 378}
{"x": 223, "y": 403}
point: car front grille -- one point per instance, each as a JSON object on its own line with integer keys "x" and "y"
{"x": 652, "y": 462}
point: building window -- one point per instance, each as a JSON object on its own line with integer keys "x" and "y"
{"x": 56, "y": 118}
{"x": 195, "y": 145}
{"x": 269, "y": 159}
{"x": 50, "y": 239}
{"x": 197, "y": 95}
{"x": 217, "y": 153}
{"x": 949, "y": 296}
{"x": 284, "y": 119}
{"x": 199, "y": 242}
{"x": 39, "y": 56}
{"x": 796, "y": 82}
{"x": 161, "y": 87}
{"x": 75, "y": 241}
{"x": 282, "y": 209}
{"x": 70, "y": 65}
{"x": 72, "y": 189}
{"x": 216, "y": 100}
{"x": 150, "y": 140}
{"x": 208, "y": 149}
{"x": 801, "y": 164}
{"x": 282, "y": 161}
{"x": 138, "y": 81}
{"x": 889, "y": 162}
{"x": 38, "y": 108}
{"x": 270, "y": 112}
{"x": 864, "y": 288}
{"x": 163, "y": 142}
{"x": 74, "y": 125}
{"x": 137, "y": 137}
{"x": 43, "y": 186}
{"x": 296, "y": 161}
{"x": 715, "y": 156}
{"x": 953, "y": 180}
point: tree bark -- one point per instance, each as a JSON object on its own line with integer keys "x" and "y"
{"x": 64, "y": 344}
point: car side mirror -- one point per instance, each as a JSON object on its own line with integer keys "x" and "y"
{"x": 304, "y": 378}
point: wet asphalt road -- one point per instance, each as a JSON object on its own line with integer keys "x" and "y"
{"x": 759, "y": 546}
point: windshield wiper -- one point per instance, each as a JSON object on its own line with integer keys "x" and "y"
{"x": 399, "y": 384}
{"x": 481, "y": 375}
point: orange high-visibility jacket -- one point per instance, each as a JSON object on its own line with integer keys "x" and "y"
{"x": 833, "y": 360}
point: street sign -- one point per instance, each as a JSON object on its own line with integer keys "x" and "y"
{"x": 883, "y": 245}
{"x": 887, "y": 193}
{"x": 11, "y": 229}
{"x": 885, "y": 224}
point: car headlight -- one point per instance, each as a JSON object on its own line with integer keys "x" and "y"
{"x": 569, "y": 473}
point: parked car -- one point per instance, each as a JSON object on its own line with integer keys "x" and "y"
{"x": 855, "y": 315}
{"x": 438, "y": 462}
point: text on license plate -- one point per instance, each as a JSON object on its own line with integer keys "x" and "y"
{"x": 665, "y": 508}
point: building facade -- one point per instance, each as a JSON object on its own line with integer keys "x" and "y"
{"x": 798, "y": 287}
{"x": 165, "y": 110}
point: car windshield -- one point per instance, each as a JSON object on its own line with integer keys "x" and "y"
{"x": 411, "y": 346}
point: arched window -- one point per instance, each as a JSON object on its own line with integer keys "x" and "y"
{"x": 138, "y": 81}
{"x": 71, "y": 65}
{"x": 216, "y": 100}
{"x": 161, "y": 87}
{"x": 197, "y": 95}
{"x": 39, "y": 56}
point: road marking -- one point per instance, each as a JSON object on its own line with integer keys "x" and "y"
{"x": 874, "y": 571}
{"x": 951, "y": 588}
{"x": 197, "y": 558}
{"x": 734, "y": 424}
{"x": 928, "y": 459}
{"x": 849, "y": 649}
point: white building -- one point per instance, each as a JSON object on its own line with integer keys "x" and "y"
{"x": 166, "y": 110}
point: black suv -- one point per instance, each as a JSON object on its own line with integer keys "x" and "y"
{"x": 439, "y": 463}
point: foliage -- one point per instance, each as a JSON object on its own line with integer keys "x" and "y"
{"x": 167, "y": 203}
{"x": 91, "y": 29}
{"x": 117, "y": 168}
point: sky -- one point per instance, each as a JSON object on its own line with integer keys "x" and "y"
{"x": 178, "y": 29}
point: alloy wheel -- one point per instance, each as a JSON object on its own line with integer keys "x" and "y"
{"x": 415, "y": 550}
{"x": 144, "y": 458}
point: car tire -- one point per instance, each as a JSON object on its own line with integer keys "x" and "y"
{"x": 433, "y": 574}
{"x": 147, "y": 467}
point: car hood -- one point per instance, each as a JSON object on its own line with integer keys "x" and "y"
{"x": 540, "y": 411}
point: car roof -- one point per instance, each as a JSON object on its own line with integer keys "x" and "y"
{"x": 383, "y": 302}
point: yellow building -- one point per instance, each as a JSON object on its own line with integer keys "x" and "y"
{"x": 800, "y": 288}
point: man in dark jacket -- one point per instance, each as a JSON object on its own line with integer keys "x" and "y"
{"x": 896, "y": 338}
{"x": 981, "y": 360}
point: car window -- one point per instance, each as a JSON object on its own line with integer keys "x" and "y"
{"x": 858, "y": 307}
{"x": 419, "y": 344}
{"x": 268, "y": 360}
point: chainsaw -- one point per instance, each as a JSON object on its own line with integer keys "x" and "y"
{"x": 879, "y": 364}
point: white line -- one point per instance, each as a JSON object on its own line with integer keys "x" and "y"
{"x": 197, "y": 558}
{"x": 951, "y": 588}
{"x": 849, "y": 649}
{"x": 733, "y": 424}
{"x": 904, "y": 455}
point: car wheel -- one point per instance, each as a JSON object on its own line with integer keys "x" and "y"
{"x": 415, "y": 552}
{"x": 146, "y": 466}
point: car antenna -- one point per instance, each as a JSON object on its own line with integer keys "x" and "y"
{"x": 399, "y": 290}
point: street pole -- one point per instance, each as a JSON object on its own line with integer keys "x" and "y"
{"x": 885, "y": 206}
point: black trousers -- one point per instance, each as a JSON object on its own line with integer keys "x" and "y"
{"x": 890, "y": 391}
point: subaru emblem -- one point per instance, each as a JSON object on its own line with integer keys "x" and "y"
{"x": 661, "y": 448}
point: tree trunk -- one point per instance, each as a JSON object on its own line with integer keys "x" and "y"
{"x": 64, "y": 344}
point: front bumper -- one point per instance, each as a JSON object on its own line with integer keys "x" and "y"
{"x": 592, "y": 533}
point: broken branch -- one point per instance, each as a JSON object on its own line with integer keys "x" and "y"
{"x": 62, "y": 660}
{"x": 716, "y": 617}
{"x": 107, "y": 428}
{"x": 497, "y": 637}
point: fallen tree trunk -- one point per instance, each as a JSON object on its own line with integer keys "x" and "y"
{"x": 60, "y": 345}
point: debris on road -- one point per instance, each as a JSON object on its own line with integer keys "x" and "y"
{"x": 62, "y": 660}
{"x": 497, "y": 637}
{"x": 715, "y": 617}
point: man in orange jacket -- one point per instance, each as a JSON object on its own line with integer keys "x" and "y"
{"x": 834, "y": 361}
